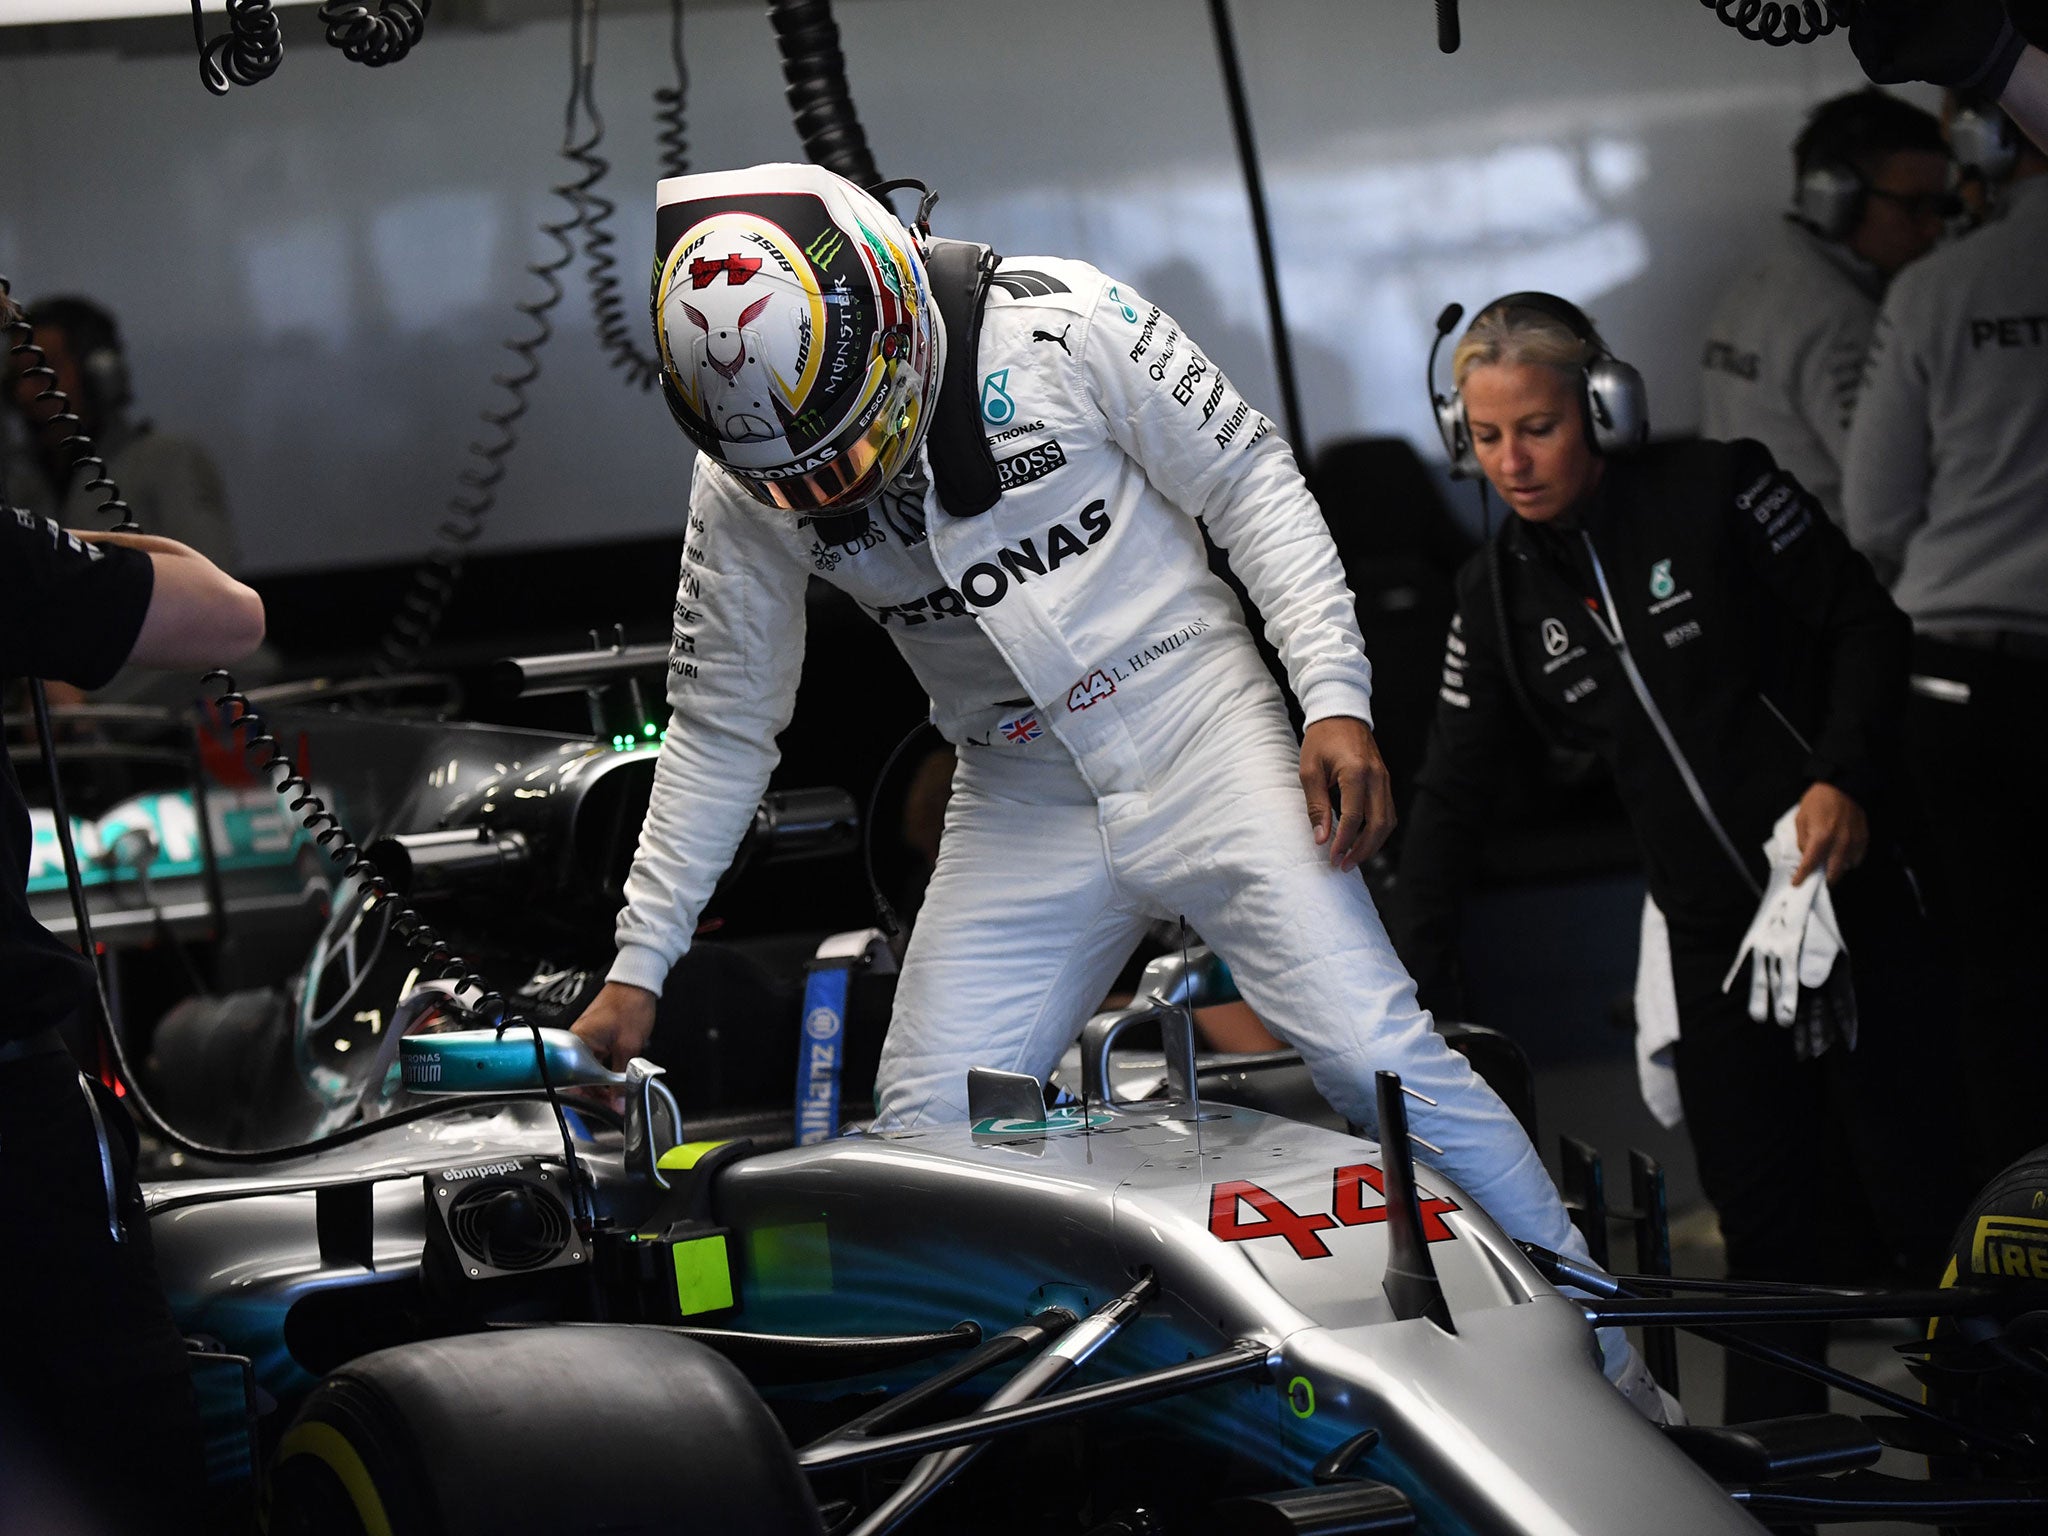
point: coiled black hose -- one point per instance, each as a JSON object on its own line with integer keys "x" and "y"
{"x": 434, "y": 580}
{"x": 669, "y": 101}
{"x": 489, "y": 1008}
{"x": 30, "y": 363}
{"x": 815, "y": 71}
{"x": 615, "y": 333}
{"x": 376, "y": 38}
{"x": 249, "y": 52}
{"x": 238, "y": 715}
{"x": 1794, "y": 21}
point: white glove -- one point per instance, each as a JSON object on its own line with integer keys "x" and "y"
{"x": 1793, "y": 943}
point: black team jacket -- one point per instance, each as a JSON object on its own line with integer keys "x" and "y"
{"x": 1768, "y": 644}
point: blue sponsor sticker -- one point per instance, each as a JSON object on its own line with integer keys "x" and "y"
{"x": 820, "y": 1053}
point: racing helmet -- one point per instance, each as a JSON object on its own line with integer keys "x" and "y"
{"x": 799, "y": 342}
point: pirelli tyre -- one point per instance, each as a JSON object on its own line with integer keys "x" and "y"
{"x": 538, "y": 1430}
{"x": 1993, "y": 1371}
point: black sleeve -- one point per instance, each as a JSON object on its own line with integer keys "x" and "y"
{"x": 69, "y": 609}
{"x": 1472, "y": 741}
{"x": 1830, "y": 591}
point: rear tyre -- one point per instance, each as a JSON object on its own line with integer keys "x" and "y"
{"x": 1993, "y": 1371}
{"x": 537, "y": 1431}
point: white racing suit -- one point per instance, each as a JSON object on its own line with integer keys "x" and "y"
{"x": 1784, "y": 356}
{"x": 1123, "y": 753}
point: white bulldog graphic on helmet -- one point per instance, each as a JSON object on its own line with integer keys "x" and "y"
{"x": 799, "y": 342}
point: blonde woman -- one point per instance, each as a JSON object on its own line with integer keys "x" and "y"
{"x": 1685, "y": 611}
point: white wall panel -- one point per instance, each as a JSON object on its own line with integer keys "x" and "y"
{"x": 314, "y": 275}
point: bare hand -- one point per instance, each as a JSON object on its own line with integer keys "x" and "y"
{"x": 1340, "y": 761}
{"x": 617, "y": 1023}
{"x": 1832, "y": 831}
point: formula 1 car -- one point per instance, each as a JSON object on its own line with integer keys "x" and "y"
{"x": 495, "y": 1287}
{"x": 519, "y": 1321}
{"x": 509, "y": 1317}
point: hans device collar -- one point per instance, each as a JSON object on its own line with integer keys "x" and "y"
{"x": 963, "y": 469}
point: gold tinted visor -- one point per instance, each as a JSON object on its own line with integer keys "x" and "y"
{"x": 850, "y": 479}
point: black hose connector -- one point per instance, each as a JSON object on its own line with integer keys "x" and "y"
{"x": 1447, "y": 34}
{"x": 815, "y": 71}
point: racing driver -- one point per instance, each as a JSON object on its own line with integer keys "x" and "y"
{"x": 1123, "y": 753}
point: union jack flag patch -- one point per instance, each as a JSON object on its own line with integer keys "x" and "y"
{"x": 1021, "y": 728}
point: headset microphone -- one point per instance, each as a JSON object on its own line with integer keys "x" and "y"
{"x": 1611, "y": 394}
{"x": 1450, "y": 415}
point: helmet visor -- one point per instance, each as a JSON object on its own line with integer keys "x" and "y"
{"x": 854, "y": 470}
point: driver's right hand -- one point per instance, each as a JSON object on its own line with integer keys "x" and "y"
{"x": 617, "y": 1023}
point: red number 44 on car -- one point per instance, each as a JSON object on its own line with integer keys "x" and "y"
{"x": 1274, "y": 1217}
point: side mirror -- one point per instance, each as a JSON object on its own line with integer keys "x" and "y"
{"x": 493, "y": 1061}
{"x": 654, "y": 1122}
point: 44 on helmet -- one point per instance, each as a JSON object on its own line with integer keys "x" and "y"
{"x": 799, "y": 343}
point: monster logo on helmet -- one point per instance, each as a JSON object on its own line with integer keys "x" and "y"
{"x": 799, "y": 343}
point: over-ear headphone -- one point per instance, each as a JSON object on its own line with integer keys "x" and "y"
{"x": 95, "y": 343}
{"x": 1985, "y": 140}
{"x": 1829, "y": 199}
{"x": 1612, "y": 400}
{"x": 105, "y": 372}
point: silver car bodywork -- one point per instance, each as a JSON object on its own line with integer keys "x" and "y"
{"x": 1254, "y": 1227}
{"x": 1506, "y": 1425}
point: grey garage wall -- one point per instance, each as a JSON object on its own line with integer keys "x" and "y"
{"x": 314, "y": 274}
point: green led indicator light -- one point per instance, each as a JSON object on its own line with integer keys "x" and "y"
{"x": 648, "y": 729}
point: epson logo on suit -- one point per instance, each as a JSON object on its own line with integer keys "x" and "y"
{"x": 1034, "y": 463}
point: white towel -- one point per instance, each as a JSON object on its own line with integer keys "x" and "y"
{"x": 1656, "y": 1019}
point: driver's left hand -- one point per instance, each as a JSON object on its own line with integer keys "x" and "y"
{"x": 1350, "y": 799}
